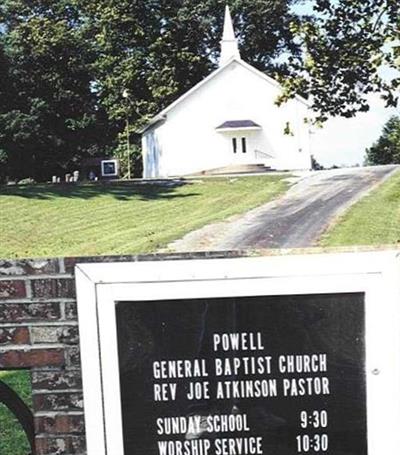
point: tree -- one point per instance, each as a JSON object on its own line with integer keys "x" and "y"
{"x": 53, "y": 118}
{"x": 386, "y": 149}
{"x": 5, "y": 105}
{"x": 159, "y": 49}
{"x": 315, "y": 166}
{"x": 345, "y": 44}
{"x": 64, "y": 65}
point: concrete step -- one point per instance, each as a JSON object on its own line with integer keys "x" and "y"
{"x": 250, "y": 168}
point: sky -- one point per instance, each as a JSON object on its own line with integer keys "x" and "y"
{"x": 342, "y": 141}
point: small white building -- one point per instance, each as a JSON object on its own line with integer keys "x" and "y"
{"x": 230, "y": 118}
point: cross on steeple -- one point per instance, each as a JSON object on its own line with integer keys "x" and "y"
{"x": 229, "y": 43}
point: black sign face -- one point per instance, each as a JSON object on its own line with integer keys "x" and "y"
{"x": 250, "y": 375}
{"x": 109, "y": 168}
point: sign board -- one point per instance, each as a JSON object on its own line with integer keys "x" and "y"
{"x": 109, "y": 168}
{"x": 279, "y": 355}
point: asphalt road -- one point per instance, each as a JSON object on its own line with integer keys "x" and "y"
{"x": 297, "y": 219}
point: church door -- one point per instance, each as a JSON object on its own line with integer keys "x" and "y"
{"x": 240, "y": 149}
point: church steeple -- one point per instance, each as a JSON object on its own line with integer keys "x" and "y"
{"x": 229, "y": 43}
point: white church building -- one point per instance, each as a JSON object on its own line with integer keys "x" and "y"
{"x": 230, "y": 118}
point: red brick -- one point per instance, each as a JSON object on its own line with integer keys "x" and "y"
{"x": 55, "y": 334}
{"x": 50, "y": 446}
{"x": 76, "y": 444}
{"x": 61, "y": 445}
{"x": 50, "y": 288}
{"x": 73, "y": 357}
{"x": 32, "y": 358}
{"x": 28, "y": 267}
{"x": 60, "y": 424}
{"x": 71, "y": 311}
{"x": 12, "y": 289}
{"x": 16, "y": 335}
{"x": 58, "y": 401}
{"x": 56, "y": 380}
{"x": 69, "y": 335}
{"x": 29, "y": 312}
{"x": 71, "y": 262}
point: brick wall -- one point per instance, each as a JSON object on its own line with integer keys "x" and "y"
{"x": 39, "y": 331}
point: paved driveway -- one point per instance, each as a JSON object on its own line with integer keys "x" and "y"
{"x": 294, "y": 221}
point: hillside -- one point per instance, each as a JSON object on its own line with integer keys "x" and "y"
{"x": 47, "y": 220}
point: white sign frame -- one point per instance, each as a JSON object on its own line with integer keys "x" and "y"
{"x": 101, "y": 285}
{"x": 104, "y": 163}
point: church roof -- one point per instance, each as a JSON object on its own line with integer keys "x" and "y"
{"x": 238, "y": 124}
{"x": 161, "y": 116}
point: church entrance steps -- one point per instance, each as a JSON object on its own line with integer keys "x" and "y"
{"x": 256, "y": 168}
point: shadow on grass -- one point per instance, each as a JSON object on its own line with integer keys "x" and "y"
{"x": 120, "y": 191}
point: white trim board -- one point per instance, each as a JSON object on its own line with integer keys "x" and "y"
{"x": 99, "y": 286}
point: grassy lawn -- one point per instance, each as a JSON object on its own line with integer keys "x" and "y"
{"x": 47, "y": 220}
{"x": 372, "y": 221}
{"x": 12, "y": 438}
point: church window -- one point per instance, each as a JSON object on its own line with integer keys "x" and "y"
{"x": 234, "y": 144}
{"x": 244, "y": 145}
